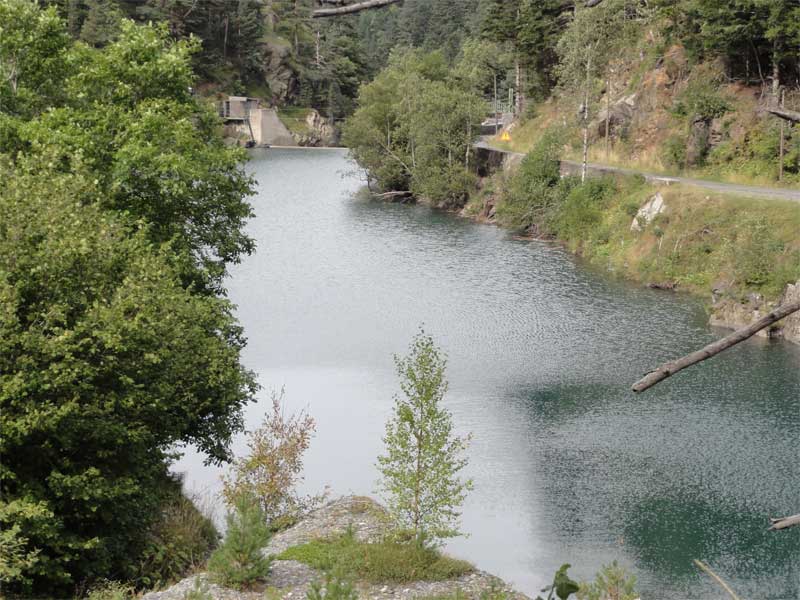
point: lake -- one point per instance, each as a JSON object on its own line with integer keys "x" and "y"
{"x": 569, "y": 465}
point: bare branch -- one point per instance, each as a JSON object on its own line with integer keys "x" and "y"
{"x": 704, "y": 567}
{"x": 737, "y": 336}
{"x": 352, "y": 8}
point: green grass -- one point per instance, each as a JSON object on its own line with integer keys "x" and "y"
{"x": 703, "y": 238}
{"x": 381, "y": 562}
{"x": 294, "y": 118}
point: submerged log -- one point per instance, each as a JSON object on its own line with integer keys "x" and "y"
{"x": 670, "y": 368}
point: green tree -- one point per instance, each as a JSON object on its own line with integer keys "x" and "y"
{"x": 156, "y": 150}
{"x": 239, "y": 561}
{"x": 102, "y": 23}
{"x": 414, "y": 128}
{"x": 106, "y": 362}
{"x": 33, "y": 43}
{"x": 424, "y": 458}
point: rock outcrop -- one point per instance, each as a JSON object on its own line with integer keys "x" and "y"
{"x": 278, "y": 72}
{"x": 736, "y": 313}
{"x": 321, "y": 131}
{"x": 290, "y": 579}
{"x": 620, "y": 114}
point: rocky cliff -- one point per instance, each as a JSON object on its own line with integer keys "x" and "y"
{"x": 733, "y": 313}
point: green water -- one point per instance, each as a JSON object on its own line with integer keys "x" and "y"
{"x": 569, "y": 466}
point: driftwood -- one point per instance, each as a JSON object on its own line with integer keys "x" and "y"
{"x": 789, "y": 115}
{"x": 346, "y": 9}
{"x": 704, "y": 567}
{"x": 670, "y": 368}
{"x": 394, "y": 195}
{"x": 784, "y": 523}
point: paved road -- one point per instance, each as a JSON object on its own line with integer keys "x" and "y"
{"x": 716, "y": 186}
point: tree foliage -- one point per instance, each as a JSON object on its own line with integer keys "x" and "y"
{"x": 424, "y": 458}
{"x": 414, "y": 129}
{"x": 271, "y": 470}
{"x": 120, "y": 208}
{"x": 92, "y": 397}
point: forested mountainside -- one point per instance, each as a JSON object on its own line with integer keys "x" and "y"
{"x": 276, "y": 50}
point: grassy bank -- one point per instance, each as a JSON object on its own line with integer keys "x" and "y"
{"x": 699, "y": 241}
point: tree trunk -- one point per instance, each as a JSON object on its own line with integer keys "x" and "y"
{"x": 351, "y": 8}
{"x": 776, "y": 71}
{"x": 608, "y": 110}
{"x": 585, "y": 162}
{"x": 670, "y": 368}
{"x": 518, "y": 84}
{"x": 789, "y": 115}
{"x": 781, "y": 149}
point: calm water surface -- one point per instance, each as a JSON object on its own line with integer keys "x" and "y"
{"x": 569, "y": 466}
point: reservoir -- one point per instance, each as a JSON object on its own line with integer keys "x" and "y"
{"x": 569, "y": 465}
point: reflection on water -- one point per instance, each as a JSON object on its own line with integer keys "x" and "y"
{"x": 569, "y": 465}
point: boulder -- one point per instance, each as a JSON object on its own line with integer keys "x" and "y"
{"x": 620, "y": 115}
{"x": 649, "y": 211}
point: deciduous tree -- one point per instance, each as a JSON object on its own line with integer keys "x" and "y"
{"x": 423, "y": 460}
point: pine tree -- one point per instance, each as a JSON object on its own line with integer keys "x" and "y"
{"x": 239, "y": 561}
{"x": 423, "y": 457}
{"x": 102, "y": 23}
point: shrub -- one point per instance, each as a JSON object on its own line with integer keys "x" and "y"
{"x": 335, "y": 588}
{"x": 753, "y": 252}
{"x": 178, "y": 542}
{"x": 536, "y": 188}
{"x": 578, "y": 217}
{"x": 111, "y": 590}
{"x": 239, "y": 561}
{"x": 272, "y": 469}
{"x": 611, "y": 583}
{"x": 674, "y": 152}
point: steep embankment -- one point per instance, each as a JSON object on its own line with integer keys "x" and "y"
{"x": 741, "y": 253}
{"x": 699, "y": 203}
{"x": 366, "y": 521}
